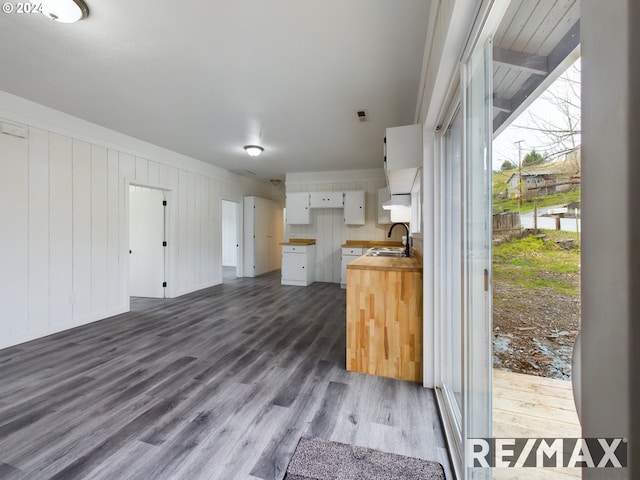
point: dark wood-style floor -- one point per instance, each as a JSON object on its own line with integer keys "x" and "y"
{"x": 219, "y": 384}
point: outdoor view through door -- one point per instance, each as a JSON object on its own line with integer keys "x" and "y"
{"x": 146, "y": 242}
{"x": 536, "y": 224}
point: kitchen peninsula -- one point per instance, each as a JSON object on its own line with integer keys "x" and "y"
{"x": 384, "y": 316}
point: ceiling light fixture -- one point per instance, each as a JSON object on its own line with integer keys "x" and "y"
{"x": 253, "y": 150}
{"x": 65, "y": 11}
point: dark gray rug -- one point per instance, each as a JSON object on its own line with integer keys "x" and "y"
{"x": 318, "y": 459}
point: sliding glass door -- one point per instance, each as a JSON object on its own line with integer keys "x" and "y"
{"x": 451, "y": 391}
{"x": 463, "y": 248}
{"x": 476, "y": 233}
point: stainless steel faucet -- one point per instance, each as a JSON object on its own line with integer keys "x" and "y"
{"x": 407, "y": 247}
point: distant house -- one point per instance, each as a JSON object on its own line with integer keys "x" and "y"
{"x": 541, "y": 182}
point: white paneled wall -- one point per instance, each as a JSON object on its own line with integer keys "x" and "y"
{"x": 327, "y": 225}
{"x": 63, "y": 216}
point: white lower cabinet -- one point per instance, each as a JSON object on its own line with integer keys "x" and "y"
{"x": 349, "y": 254}
{"x": 298, "y": 265}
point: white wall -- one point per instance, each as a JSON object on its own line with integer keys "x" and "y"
{"x": 64, "y": 197}
{"x": 327, "y": 225}
{"x": 610, "y": 240}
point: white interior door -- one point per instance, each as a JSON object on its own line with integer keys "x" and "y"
{"x": 230, "y": 242}
{"x": 146, "y": 237}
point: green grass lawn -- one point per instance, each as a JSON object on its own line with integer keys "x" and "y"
{"x": 537, "y": 263}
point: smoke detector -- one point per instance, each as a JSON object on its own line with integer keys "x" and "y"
{"x": 275, "y": 181}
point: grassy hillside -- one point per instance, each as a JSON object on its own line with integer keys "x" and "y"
{"x": 499, "y": 185}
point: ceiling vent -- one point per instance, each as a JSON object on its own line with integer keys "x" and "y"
{"x": 242, "y": 172}
{"x": 362, "y": 115}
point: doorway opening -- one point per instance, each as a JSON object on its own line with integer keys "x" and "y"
{"x": 536, "y": 226}
{"x": 230, "y": 241}
{"x": 147, "y": 242}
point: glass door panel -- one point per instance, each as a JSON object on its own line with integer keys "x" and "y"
{"x": 478, "y": 99}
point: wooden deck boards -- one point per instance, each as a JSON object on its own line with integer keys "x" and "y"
{"x": 531, "y": 406}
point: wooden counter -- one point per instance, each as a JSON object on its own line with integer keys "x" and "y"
{"x": 299, "y": 241}
{"x": 384, "y": 317}
{"x": 405, "y": 264}
{"x": 371, "y": 244}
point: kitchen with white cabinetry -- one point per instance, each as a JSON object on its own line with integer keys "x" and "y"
{"x": 331, "y": 227}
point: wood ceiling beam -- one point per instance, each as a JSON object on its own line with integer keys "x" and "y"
{"x": 502, "y": 104}
{"x": 558, "y": 60}
{"x": 525, "y": 62}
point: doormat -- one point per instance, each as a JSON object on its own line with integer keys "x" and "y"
{"x": 318, "y": 459}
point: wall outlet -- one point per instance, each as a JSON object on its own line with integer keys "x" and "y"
{"x": 71, "y": 299}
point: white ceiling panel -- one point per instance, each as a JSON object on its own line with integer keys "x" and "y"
{"x": 206, "y": 78}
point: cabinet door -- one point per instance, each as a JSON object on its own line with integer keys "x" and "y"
{"x": 334, "y": 200}
{"x": 317, "y": 199}
{"x": 354, "y": 208}
{"x": 404, "y": 147}
{"x": 326, "y": 199}
{"x": 298, "y": 209}
{"x": 294, "y": 267}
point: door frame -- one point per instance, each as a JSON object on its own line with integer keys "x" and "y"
{"x": 170, "y": 235}
{"x": 487, "y": 19}
{"x": 239, "y": 233}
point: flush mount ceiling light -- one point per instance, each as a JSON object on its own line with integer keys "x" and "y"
{"x": 65, "y": 11}
{"x": 253, "y": 150}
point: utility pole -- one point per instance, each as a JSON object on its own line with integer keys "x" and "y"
{"x": 519, "y": 171}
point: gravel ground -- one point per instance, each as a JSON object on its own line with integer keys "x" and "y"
{"x": 534, "y": 331}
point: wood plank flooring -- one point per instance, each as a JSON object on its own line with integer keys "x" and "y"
{"x": 218, "y": 384}
{"x": 528, "y": 406}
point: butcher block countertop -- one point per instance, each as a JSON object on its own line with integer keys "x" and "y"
{"x": 370, "y": 244}
{"x": 384, "y": 316}
{"x": 300, "y": 241}
{"x": 404, "y": 264}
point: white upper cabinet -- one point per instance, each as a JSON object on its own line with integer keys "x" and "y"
{"x": 326, "y": 200}
{"x": 298, "y": 209}
{"x": 354, "y": 207}
{"x": 402, "y": 157}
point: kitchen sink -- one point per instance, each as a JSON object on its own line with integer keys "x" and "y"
{"x": 397, "y": 254}
{"x": 386, "y": 249}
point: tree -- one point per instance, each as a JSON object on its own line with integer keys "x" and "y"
{"x": 558, "y": 130}
{"x": 532, "y": 158}
{"x": 507, "y": 165}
